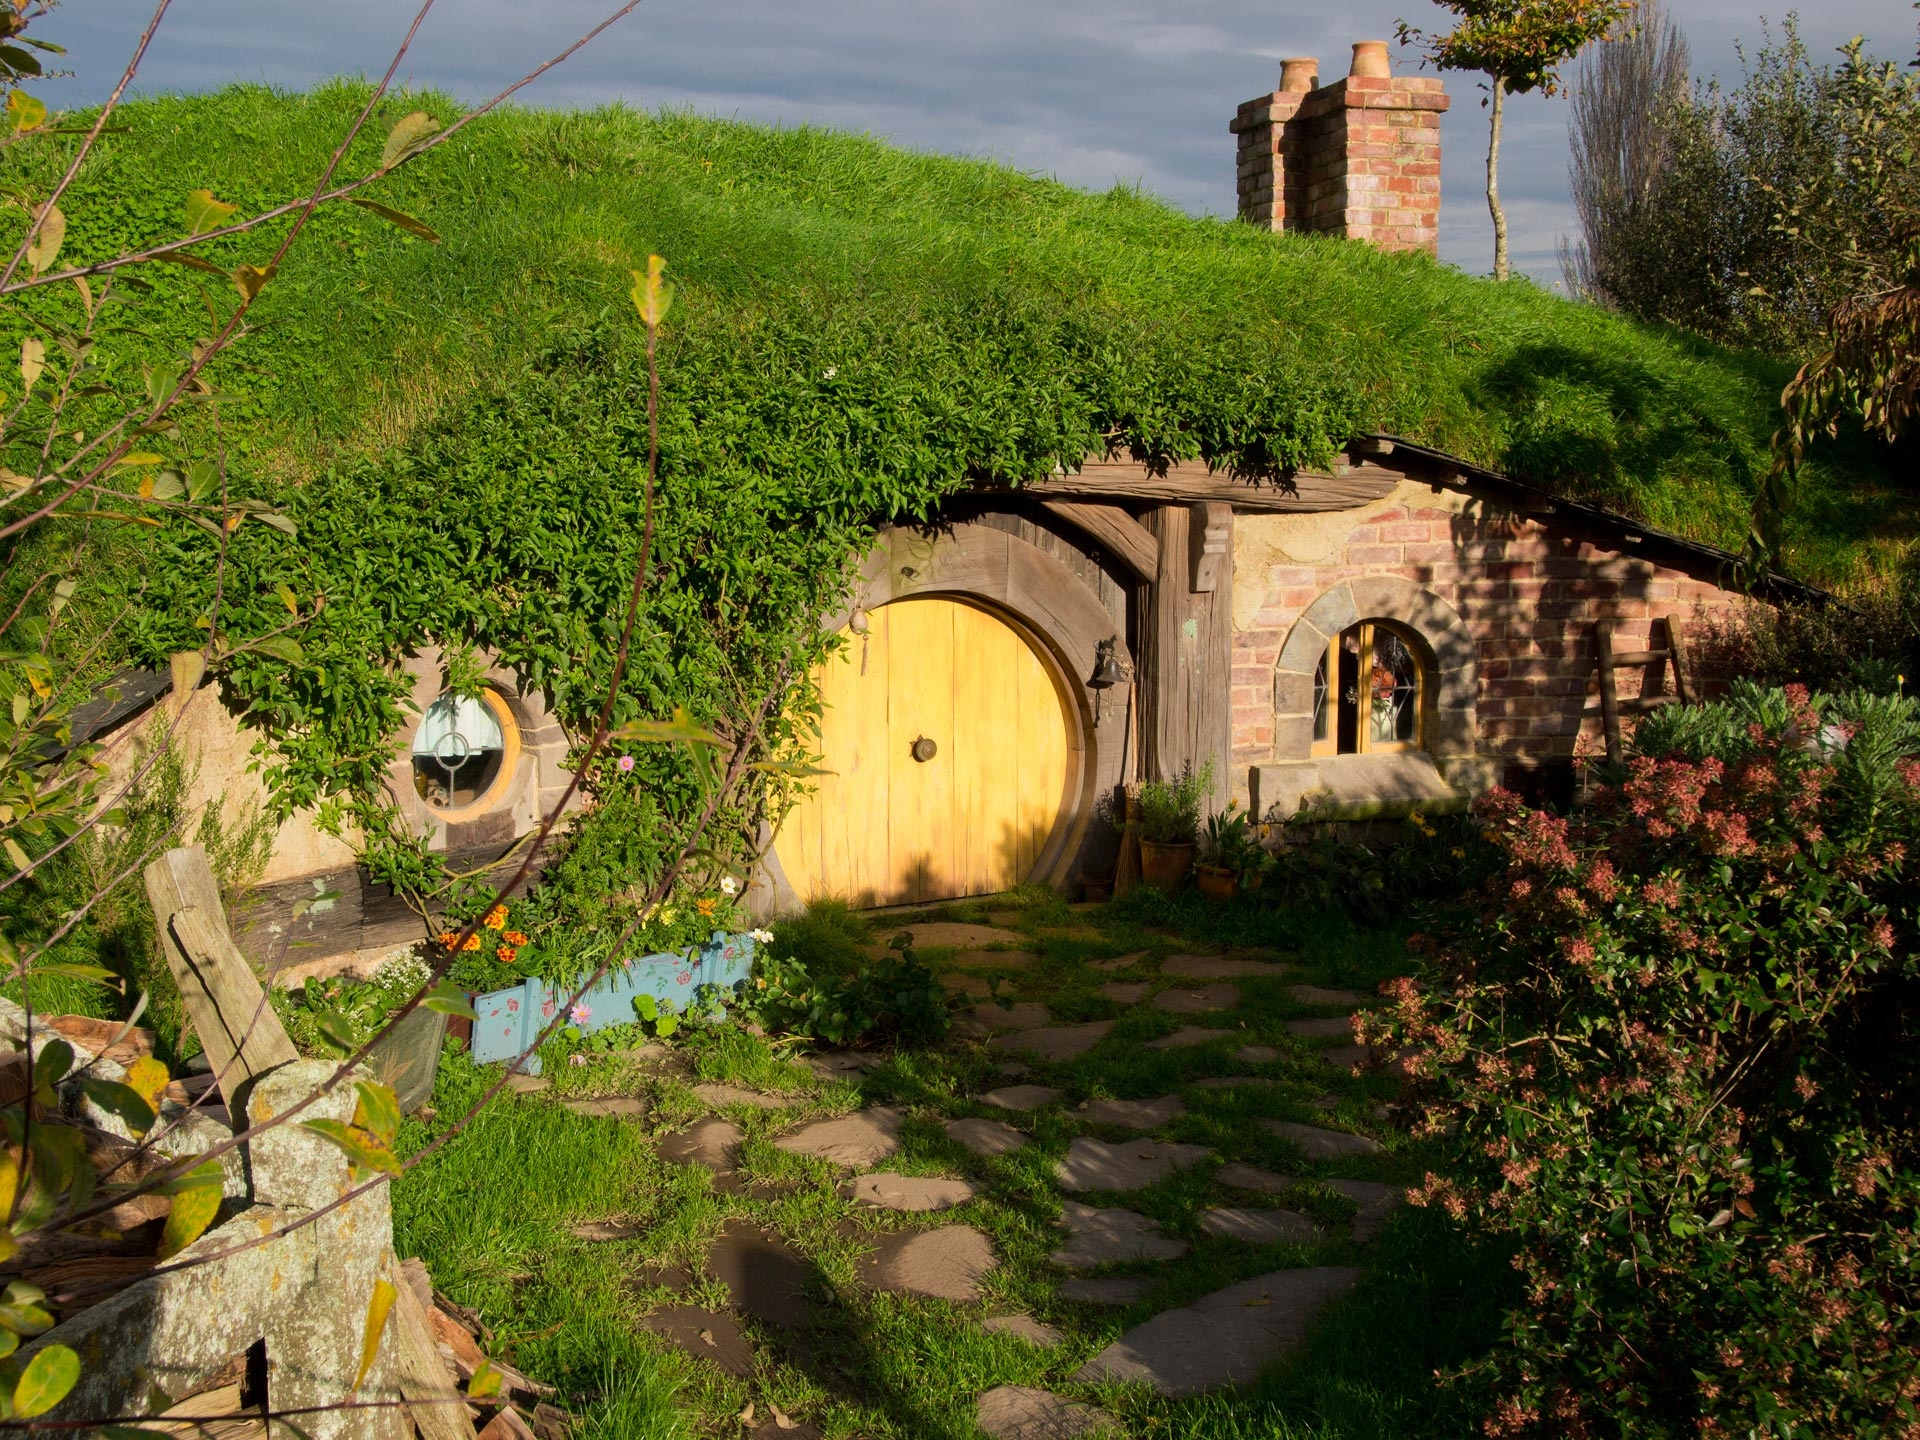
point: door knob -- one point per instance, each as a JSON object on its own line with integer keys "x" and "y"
{"x": 924, "y": 749}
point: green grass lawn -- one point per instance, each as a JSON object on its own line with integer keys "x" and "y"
{"x": 492, "y": 1215}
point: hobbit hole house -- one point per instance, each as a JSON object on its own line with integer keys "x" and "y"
{"x": 1394, "y": 628}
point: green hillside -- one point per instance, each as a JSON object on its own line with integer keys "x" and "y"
{"x": 879, "y": 322}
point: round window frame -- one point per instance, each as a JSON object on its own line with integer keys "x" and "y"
{"x": 1329, "y": 747}
{"x": 489, "y": 799}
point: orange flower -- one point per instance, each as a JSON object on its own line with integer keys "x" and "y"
{"x": 514, "y": 937}
{"x": 506, "y": 954}
{"x": 496, "y": 918}
{"x": 473, "y": 943}
{"x": 446, "y": 938}
{"x": 705, "y": 908}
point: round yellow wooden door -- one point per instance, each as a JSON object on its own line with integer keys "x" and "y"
{"x": 948, "y": 744}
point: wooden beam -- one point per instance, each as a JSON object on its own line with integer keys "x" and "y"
{"x": 1303, "y": 491}
{"x": 1209, "y": 546}
{"x": 1184, "y": 666}
{"x": 1122, "y": 536}
{"x": 242, "y": 1036}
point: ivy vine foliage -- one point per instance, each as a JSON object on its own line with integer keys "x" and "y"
{"x": 458, "y": 428}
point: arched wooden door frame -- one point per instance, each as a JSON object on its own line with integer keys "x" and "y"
{"x": 1043, "y": 602}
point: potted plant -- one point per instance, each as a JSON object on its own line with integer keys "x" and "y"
{"x": 1169, "y": 826}
{"x": 1224, "y": 854}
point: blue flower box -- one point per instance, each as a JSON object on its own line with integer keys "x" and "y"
{"x": 508, "y": 1021}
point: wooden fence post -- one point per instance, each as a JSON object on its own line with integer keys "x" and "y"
{"x": 242, "y": 1036}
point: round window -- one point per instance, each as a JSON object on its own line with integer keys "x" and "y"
{"x": 460, "y": 750}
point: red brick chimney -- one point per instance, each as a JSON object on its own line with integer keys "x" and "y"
{"x": 1358, "y": 158}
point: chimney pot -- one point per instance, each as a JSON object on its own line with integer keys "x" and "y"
{"x": 1370, "y": 59}
{"x": 1299, "y": 74}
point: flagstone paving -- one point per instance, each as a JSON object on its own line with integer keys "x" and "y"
{"x": 886, "y": 1191}
{"x": 1321, "y": 1144}
{"x": 1258, "y": 1227}
{"x": 1134, "y": 1114}
{"x": 986, "y": 1137}
{"x": 1020, "y": 1412}
{"x": 1023, "y": 1327}
{"x": 1185, "y": 1036}
{"x": 1022, "y": 1016}
{"x": 1225, "y": 1338}
{"x": 1130, "y": 1165}
{"x": 1103, "y": 1237}
{"x": 1219, "y": 967}
{"x": 1196, "y": 1002}
{"x": 1055, "y": 1042}
{"x": 858, "y": 1140}
{"x": 714, "y": 1144}
{"x": 1022, "y": 1097}
{"x": 944, "y": 1264}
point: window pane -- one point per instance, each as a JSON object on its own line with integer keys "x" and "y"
{"x": 1394, "y": 690}
{"x": 457, "y": 752}
{"x": 1320, "y": 688}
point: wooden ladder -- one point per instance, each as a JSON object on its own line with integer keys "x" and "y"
{"x": 1653, "y": 664}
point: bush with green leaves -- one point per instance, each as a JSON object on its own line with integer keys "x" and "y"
{"x": 1676, "y": 1045}
{"x": 1167, "y": 812}
{"x": 335, "y": 1017}
{"x": 814, "y": 979}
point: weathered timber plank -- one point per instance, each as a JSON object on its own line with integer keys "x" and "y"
{"x": 1185, "y": 662}
{"x": 242, "y": 1036}
{"x": 1303, "y": 491}
{"x": 1124, "y": 537}
{"x": 1209, "y": 545}
{"x": 433, "y": 1402}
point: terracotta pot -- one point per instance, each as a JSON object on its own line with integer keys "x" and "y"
{"x": 1370, "y": 59}
{"x": 1216, "y": 882}
{"x": 1096, "y": 892}
{"x": 1299, "y": 74}
{"x": 1165, "y": 867}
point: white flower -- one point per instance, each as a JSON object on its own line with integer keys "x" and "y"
{"x": 828, "y": 373}
{"x": 760, "y": 937}
{"x": 729, "y": 885}
{"x": 577, "y": 1059}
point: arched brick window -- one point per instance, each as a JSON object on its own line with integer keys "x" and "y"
{"x": 1370, "y": 692}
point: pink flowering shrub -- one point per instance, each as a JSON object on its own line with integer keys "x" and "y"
{"x": 1678, "y": 1049}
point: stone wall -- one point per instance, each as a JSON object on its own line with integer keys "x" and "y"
{"x": 1504, "y": 602}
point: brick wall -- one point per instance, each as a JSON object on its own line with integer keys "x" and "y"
{"x": 1527, "y": 594}
{"x": 1359, "y": 158}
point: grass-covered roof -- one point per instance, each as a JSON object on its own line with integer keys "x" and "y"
{"x": 870, "y": 324}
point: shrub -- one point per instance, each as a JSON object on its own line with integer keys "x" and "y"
{"x": 818, "y": 990}
{"x": 1869, "y": 642}
{"x": 1677, "y": 1046}
{"x": 1169, "y": 810}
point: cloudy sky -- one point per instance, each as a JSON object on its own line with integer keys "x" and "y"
{"x": 1090, "y": 91}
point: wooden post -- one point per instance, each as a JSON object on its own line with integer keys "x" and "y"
{"x": 1682, "y": 665}
{"x": 1185, "y": 665}
{"x": 242, "y": 1036}
{"x": 1609, "y": 701}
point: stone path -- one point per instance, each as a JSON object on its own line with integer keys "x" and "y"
{"x": 885, "y": 1191}
{"x": 1321, "y": 1144}
{"x": 1106, "y": 1237}
{"x": 944, "y": 1264}
{"x": 1022, "y": 1097}
{"x": 1019, "y": 1412}
{"x": 1130, "y": 1165}
{"x": 1133, "y": 1114}
{"x": 720, "y": 1096}
{"x": 1225, "y": 1338}
{"x": 863, "y": 1138}
{"x": 1055, "y": 1042}
{"x": 1222, "y": 1339}
{"x": 986, "y": 1137}
{"x": 1196, "y": 1002}
{"x": 1023, "y": 1327}
{"x": 1186, "y": 1036}
{"x": 714, "y": 1144}
{"x": 1258, "y": 1227}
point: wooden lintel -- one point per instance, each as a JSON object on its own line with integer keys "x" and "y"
{"x": 1209, "y": 546}
{"x": 1190, "y": 480}
{"x": 1122, "y": 536}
